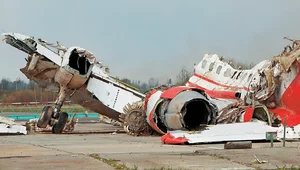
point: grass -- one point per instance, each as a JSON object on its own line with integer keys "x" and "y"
{"x": 112, "y": 162}
{"x": 163, "y": 168}
{"x": 121, "y": 166}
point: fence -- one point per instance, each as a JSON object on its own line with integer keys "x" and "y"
{"x": 30, "y": 110}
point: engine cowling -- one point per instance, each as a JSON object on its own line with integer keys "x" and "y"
{"x": 76, "y": 68}
{"x": 179, "y": 107}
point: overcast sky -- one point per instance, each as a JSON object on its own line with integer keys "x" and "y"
{"x": 139, "y": 39}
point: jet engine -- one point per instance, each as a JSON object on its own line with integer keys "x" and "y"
{"x": 172, "y": 108}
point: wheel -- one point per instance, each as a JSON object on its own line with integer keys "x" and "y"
{"x": 45, "y": 117}
{"x": 59, "y": 126}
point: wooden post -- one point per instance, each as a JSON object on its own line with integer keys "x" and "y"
{"x": 238, "y": 145}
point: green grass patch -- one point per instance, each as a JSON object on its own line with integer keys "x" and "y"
{"x": 112, "y": 162}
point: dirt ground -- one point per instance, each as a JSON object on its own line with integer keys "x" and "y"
{"x": 93, "y": 146}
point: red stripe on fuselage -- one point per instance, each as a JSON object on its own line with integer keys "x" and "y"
{"x": 215, "y": 93}
{"x": 219, "y": 84}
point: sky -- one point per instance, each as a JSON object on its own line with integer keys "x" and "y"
{"x": 152, "y": 38}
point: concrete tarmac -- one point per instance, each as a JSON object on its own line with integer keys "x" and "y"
{"x": 102, "y": 146}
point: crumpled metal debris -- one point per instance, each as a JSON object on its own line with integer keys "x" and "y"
{"x": 230, "y": 114}
{"x": 259, "y": 161}
{"x": 7, "y": 120}
{"x": 9, "y": 126}
{"x": 105, "y": 119}
{"x": 31, "y": 125}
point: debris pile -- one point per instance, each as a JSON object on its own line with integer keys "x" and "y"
{"x": 9, "y": 126}
{"x": 31, "y": 125}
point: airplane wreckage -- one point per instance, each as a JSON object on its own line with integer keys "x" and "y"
{"x": 218, "y": 103}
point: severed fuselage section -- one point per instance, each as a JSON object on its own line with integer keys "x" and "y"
{"x": 76, "y": 75}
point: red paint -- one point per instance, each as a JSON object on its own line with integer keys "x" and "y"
{"x": 292, "y": 119}
{"x": 215, "y": 93}
{"x": 25, "y": 102}
{"x": 152, "y": 123}
{"x": 248, "y": 114}
{"x": 170, "y": 139}
{"x": 222, "y": 94}
{"x": 290, "y": 98}
{"x": 170, "y": 93}
{"x": 147, "y": 98}
{"x": 219, "y": 84}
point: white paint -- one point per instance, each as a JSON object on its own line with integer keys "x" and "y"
{"x": 12, "y": 129}
{"x": 39, "y": 48}
{"x": 232, "y": 132}
{"x": 9, "y": 126}
{"x": 111, "y": 95}
{"x": 152, "y": 101}
{"x": 234, "y": 80}
{"x": 107, "y": 89}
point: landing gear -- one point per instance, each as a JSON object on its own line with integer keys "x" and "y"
{"x": 45, "y": 117}
{"x": 54, "y": 117}
{"x": 59, "y": 126}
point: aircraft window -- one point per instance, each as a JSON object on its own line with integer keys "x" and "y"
{"x": 211, "y": 66}
{"x": 203, "y": 64}
{"x": 249, "y": 78}
{"x": 238, "y": 75}
{"x": 233, "y": 74}
{"x": 219, "y": 69}
{"x": 227, "y": 72}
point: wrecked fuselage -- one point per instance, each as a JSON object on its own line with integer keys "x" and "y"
{"x": 74, "y": 73}
{"x": 216, "y": 93}
{"x": 270, "y": 87}
{"x": 266, "y": 93}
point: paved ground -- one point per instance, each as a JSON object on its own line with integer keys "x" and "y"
{"x": 83, "y": 150}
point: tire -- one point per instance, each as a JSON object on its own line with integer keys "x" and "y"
{"x": 45, "y": 117}
{"x": 59, "y": 126}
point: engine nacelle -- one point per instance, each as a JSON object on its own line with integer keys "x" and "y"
{"x": 179, "y": 107}
{"x": 76, "y": 68}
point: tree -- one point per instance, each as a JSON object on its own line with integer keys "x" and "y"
{"x": 183, "y": 77}
{"x": 153, "y": 82}
{"x": 169, "y": 82}
{"x": 4, "y": 84}
{"x": 126, "y": 80}
{"x": 31, "y": 85}
{"x": 144, "y": 87}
